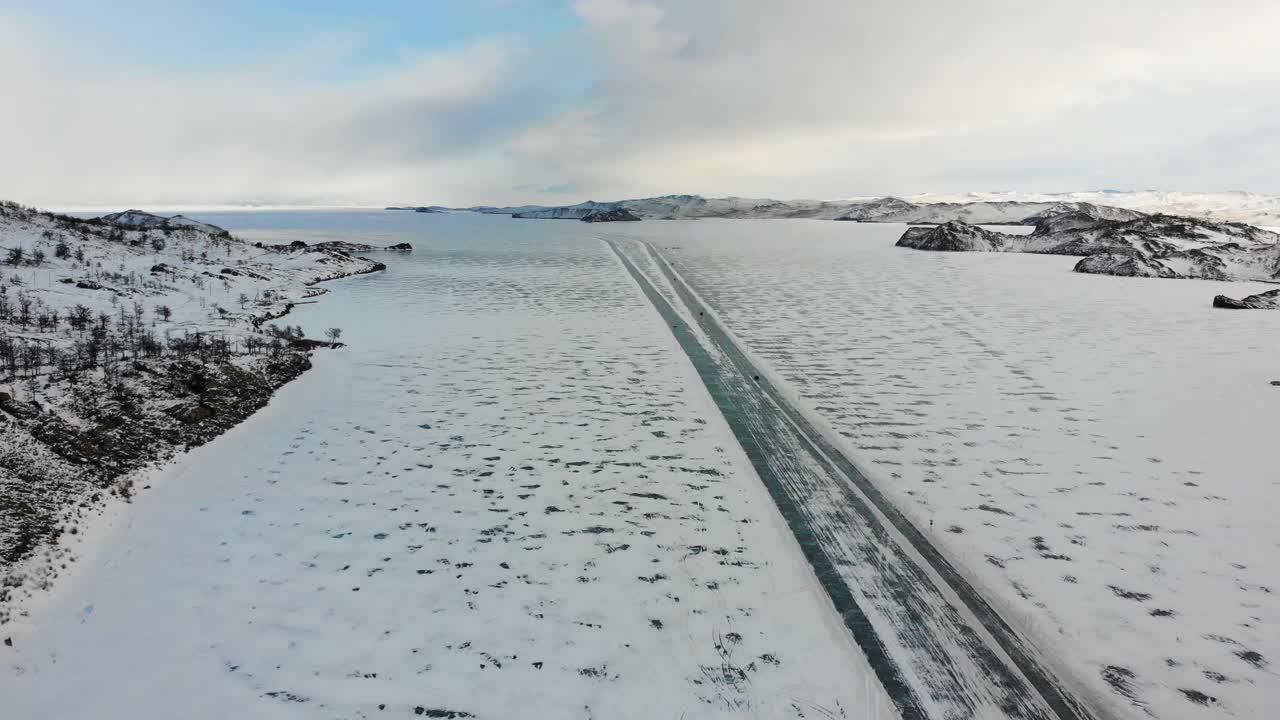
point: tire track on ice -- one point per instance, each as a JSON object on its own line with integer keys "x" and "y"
{"x": 937, "y": 647}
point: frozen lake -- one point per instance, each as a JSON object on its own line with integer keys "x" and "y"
{"x": 1095, "y": 451}
{"x": 511, "y": 495}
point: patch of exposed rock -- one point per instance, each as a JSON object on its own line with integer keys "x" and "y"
{"x": 615, "y": 215}
{"x": 1164, "y": 246}
{"x": 1269, "y": 300}
{"x": 56, "y": 457}
{"x": 342, "y": 246}
{"x": 1123, "y": 265}
{"x": 954, "y": 236}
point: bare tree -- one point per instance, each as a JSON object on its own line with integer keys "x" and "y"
{"x": 333, "y": 334}
{"x": 80, "y": 317}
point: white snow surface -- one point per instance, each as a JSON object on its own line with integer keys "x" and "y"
{"x": 1095, "y": 451}
{"x": 509, "y": 496}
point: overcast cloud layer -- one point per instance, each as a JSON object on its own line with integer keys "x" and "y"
{"x": 718, "y": 97}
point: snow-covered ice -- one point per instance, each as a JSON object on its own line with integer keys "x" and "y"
{"x": 1096, "y": 451}
{"x": 509, "y": 496}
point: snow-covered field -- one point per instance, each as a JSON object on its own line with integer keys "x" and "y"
{"x": 1096, "y": 451}
{"x": 509, "y": 496}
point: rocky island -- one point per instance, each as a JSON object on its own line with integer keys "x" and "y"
{"x": 1160, "y": 246}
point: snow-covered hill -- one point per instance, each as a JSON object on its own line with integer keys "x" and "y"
{"x": 1234, "y": 206}
{"x": 1165, "y": 246}
{"x": 125, "y": 339}
{"x": 141, "y": 219}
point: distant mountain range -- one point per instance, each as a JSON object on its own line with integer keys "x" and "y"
{"x": 972, "y": 208}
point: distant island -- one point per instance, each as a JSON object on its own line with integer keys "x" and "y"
{"x": 421, "y": 209}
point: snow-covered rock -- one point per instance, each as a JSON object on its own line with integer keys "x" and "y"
{"x": 1164, "y": 246}
{"x": 1237, "y": 206}
{"x": 1123, "y": 265}
{"x": 954, "y": 236}
{"x": 141, "y": 219}
{"x": 617, "y": 215}
{"x": 1269, "y": 300}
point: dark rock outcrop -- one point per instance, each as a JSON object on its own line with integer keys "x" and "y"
{"x": 615, "y": 215}
{"x": 342, "y": 246}
{"x": 1269, "y": 300}
{"x": 400, "y": 247}
{"x": 955, "y": 236}
{"x": 1124, "y": 265}
{"x": 17, "y": 408}
{"x": 1165, "y": 246}
{"x": 240, "y": 272}
{"x": 57, "y": 461}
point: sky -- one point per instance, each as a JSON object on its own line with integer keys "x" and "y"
{"x": 556, "y": 101}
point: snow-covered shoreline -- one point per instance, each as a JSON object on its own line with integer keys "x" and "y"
{"x": 120, "y": 354}
{"x": 523, "y": 504}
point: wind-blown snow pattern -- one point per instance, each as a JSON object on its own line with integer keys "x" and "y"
{"x": 1093, "y": 452}
{"x": 508, "y": 496}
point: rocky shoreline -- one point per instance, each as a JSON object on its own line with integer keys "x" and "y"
{"x": 1155, "y": 246}
{"x": 90, "y": 407}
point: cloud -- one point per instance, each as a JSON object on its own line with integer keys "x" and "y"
{"x": 250, "y": 134}
{"x": 752, "y": 97}
{"x": 832, "y": 98}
